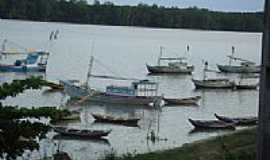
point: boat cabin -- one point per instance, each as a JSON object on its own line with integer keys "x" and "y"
{"x": 137, "y": 88}
{"x": 33, "y": 59}
{"x": 248, "y": 63}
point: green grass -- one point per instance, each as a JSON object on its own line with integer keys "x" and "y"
{"x": 241, "y": 145}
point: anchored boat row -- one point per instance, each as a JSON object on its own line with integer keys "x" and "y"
{"x": 223, "y": 122}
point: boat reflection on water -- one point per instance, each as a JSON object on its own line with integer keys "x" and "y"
{"x": 9, "y": 76}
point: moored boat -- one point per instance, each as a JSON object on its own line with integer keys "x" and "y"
{"x": 238, "y": 120}
{"x": 140, "y": 92}
{"x": 244, "y": 84}
{"x": 213, "y": 84}
{"x": 177, "y": 65}
{"x": 218, "y": 83}
{"x": 72, "y": 138}
{"x": 182, "y": 101}
{"x": 211, "y": 124}
{"x": 95, "y": 134}
{"x": 34, "y": 62}
{"x": 242, "y": 68}
{"x": 115, "y": 120}
{"x": 245, "y": 66}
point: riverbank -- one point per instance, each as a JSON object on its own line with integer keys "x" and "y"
{"x": 240, "y": 145}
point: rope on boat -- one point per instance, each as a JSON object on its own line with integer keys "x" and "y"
{"x": 117, "y": 77}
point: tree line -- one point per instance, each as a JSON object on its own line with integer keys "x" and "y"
{"x": 79, "y": 11}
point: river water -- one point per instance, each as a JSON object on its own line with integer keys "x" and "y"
{"x": 125, "y": 51}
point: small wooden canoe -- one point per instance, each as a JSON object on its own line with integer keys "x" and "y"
{"x": 239, "y": 120}
{"x": 94, "y": 134}
{"x": 67, "y": 138}
{"x": 115, "y": 120}
{"x": 211, "y": 124}
{"x": 183, "y": 101}
{"x": 213, "y": 84}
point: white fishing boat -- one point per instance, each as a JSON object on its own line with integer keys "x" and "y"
{"x": 247, "y": 83}
{"x": 34, "y": 62}
{"x": 140, "y": 92}
{"x": 177, "y": 65}
{"x": 217, "y": 83}
{"x": 243, "y": 66}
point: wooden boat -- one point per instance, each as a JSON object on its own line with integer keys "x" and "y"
{"x": 95, "y": 134}
{"x": 239, "y": 120}
{"x": 116, "y": 120}
{"x": 175, "y": 65}
{"x": 125, "y": 95}
{"x": 213, "y": 84}
{"x": 242, "y": 68}
{"x": 98, "y": 141}
{"x": 34, "y": 62}
{"x": 245, "y": 66}
{"x": 205, "y": 83}
{"x": 183, "y": 101}
{"x": 243, "y": 84}
{"x": 140, "y": 92}
{"x": 211, "y": 124}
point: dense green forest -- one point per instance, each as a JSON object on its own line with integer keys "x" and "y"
{"x": 79, "y": 11}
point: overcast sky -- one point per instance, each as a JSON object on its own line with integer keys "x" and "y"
{"x": 217, "y": 5}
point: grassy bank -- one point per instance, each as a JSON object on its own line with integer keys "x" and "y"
{"x": 240, "y": 145}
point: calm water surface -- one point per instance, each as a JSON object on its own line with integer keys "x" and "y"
{"x": 125, "y": 51}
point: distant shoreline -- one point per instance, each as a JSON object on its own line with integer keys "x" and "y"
{"x": 139, "y": 27}
{"x": 142, "y": 15}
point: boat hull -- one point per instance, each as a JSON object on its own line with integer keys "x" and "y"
{"x": 201, "y": 84}
{"x": 244, "y": 121}
{"x": 13, "y": 68}
{"x": 168, "y": 69}
{"x": 239, "y": 69}
{"x": 78, "y": 134}
{"x": 123, "y": 100}
{"x": 105, "y": 119}
{"x": 183, "y": 101}
{"x": 214, "y": 124}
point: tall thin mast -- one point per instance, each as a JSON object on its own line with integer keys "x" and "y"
{"x": 233, "y": 50}
{"x": 205, "y": 70}
{"x": 160, "y": 55}
{"x": 89, "y": 71}
{"x": 90, "y": 66}
{"x": 187, "y": 51}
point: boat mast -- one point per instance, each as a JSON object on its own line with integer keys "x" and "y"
{"x": 187, "y": 50}
{"x": 233, "y": 50}
{"x": 160, "y": 55}
{"x": 89, "y": 73}
{"x": 204, "y": 70}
